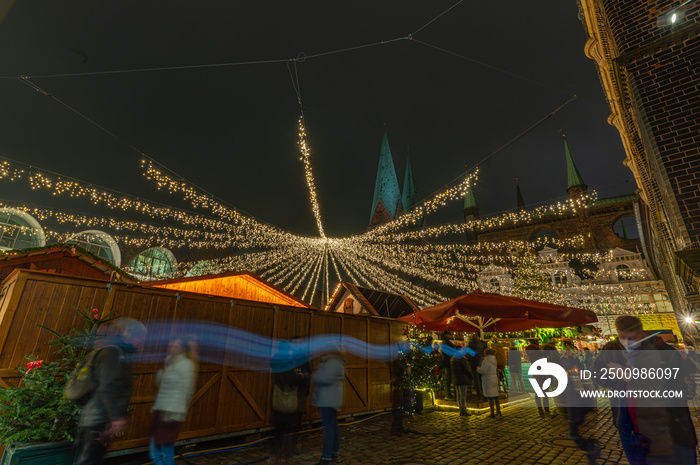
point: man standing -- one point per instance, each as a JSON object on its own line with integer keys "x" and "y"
{"x": 104, "y": 414}
{"x": 650, "y": 434}
{"x": 478, "y": 346}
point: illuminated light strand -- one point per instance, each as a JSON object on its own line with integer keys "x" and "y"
{"x": 317, "y": 275}
{"x": 309, "y": 176}
{"x": 297, "y": 282}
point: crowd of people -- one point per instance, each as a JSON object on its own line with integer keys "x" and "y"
{"x": 650, "y": 433}
{"x": 104, "y": 410}
{"x": 658, "y": 434}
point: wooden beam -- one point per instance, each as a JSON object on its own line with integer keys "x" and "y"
{"x": 246, "y": 396}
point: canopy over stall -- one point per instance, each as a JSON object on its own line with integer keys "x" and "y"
{"x": 485, "y": 312}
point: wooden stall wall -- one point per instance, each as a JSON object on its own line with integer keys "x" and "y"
{"x": 227, "y": 398}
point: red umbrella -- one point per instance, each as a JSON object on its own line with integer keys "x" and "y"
{"x": 484, "y": 312}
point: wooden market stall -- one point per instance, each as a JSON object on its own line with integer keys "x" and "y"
{"x": 227, "y": 399}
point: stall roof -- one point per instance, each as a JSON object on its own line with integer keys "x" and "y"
{"x": 236, "y": 285}
{"x": 61, "y": 259}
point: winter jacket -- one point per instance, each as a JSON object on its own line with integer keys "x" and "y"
{"x": 176, "y": 386}
{"x": 489, "y": 376}
{"x": 461, "y": 371}
{"x": 444, "y": 357}
{"x": 515, "y": 360}
{"x": 291, "y": 378}
{"x": 328, "y": 382}
{"x": 112, "y": 371}
{"x": 479, "y": 347}
{"x": 501, "y": 357}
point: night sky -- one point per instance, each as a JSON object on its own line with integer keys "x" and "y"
{"x": 233, "y": 129}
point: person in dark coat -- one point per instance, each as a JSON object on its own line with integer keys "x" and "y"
{"x": 463, "y": 377}
{"x": 515, "y": 358}
{"x": 478, "y": 346}
{"x": 103, "y": 417}
{"x": 303, "y": 369}
{"x": 285, "y": 377}
{"x": 534, "y": 353}
{"x": 648, "y": 434}
{"x": 446, "y": 366}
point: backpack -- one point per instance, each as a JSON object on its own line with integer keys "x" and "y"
{"x": 81, "y": 383}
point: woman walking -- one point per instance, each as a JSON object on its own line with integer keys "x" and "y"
{"x": 489, "y": 379}
{"x": 328, "y": 397}
{"x": 175, "y": 382}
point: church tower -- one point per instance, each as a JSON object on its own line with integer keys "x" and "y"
{"x": 576, "y": 187}
{"x": 386, "y": 204}
{"x": 520, "y": 201}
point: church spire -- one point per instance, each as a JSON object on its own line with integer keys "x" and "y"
{"x": 519, "y": 195}
{"x": 624, "y": 230}
{"x": 574, "y": 177}
{"x": 576, "y": 187}
{"x": 469, "y": 199}
{"x": 387, "y": 195}
{"x": 409, "y": 197}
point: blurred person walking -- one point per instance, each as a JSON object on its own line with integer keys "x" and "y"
{"x": 103, "y": 416}
{"x": 328, "y": 398}
{"x": 534, "y": 354}
{"x": 649, "y": 434}
{"x": 176, "y": 382}
{"x": 287, "y": 382}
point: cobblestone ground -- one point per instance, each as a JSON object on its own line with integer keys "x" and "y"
{"x": 445, "y": 438}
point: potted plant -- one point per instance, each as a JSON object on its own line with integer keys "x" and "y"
{"x": 37, "y": 425}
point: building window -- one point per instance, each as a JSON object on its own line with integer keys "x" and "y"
{"x": 624, "y": 273}
{"x": 663, "y": 303}
{"x": 494, "y": 285}
{"x": 626, "y": 228}
{"x": 560, "y": 279}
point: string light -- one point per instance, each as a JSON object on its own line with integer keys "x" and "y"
{"x": 306, "y": 159}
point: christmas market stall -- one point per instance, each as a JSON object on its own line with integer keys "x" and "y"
{"x": 232, "y": 395}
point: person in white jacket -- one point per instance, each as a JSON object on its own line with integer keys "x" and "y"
{"x": 176, "y": 381}
{"x": 328, "y": 397}
{"x": 489, "y": 381}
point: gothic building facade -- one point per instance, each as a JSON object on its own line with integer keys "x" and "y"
{"x": 646, "y": 55}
